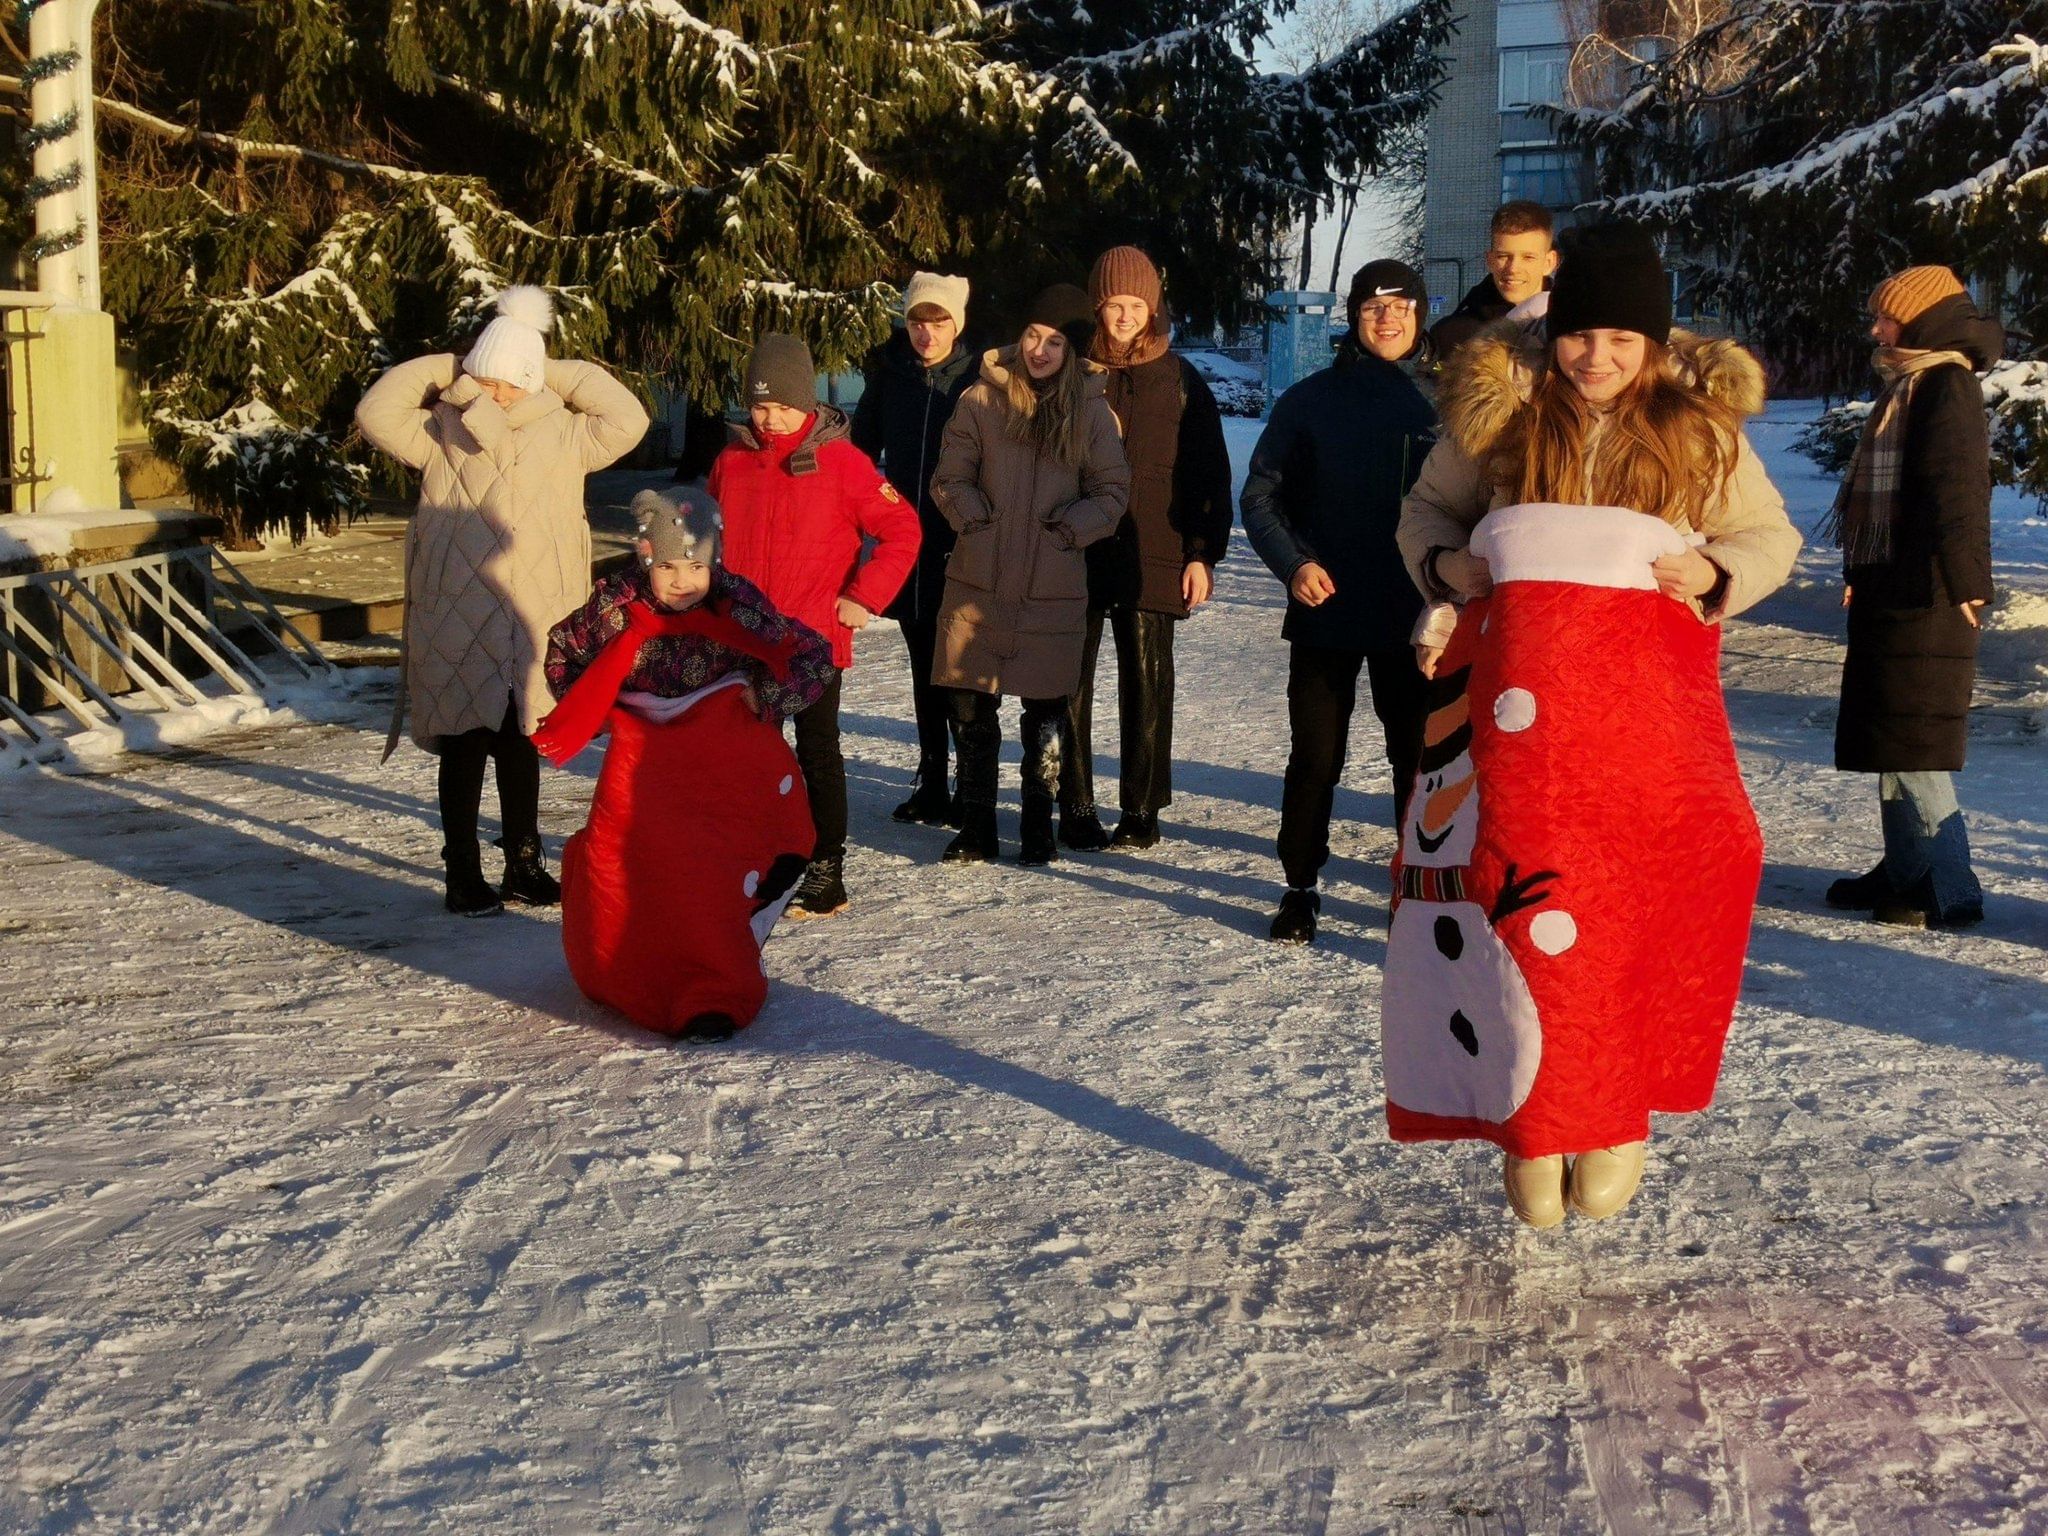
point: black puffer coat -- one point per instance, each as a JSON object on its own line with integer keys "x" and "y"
{"x": 899, "y": 423}
{"x": 1912, "y": 655}
{"x": 1340, "y": 450}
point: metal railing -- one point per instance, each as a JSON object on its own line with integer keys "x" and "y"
{"x": 134, "y": 614}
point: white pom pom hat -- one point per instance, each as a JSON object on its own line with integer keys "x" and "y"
{"x": 513, "y": 348}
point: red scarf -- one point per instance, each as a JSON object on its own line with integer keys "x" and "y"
{"x": 584, "y": 708}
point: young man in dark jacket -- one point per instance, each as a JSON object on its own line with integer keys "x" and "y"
{"x": 914, "y": 379}
{"x": 1914, "y": 524}
{"x": 1156, "y": 568}
{"x": 1520, "y": 256}
{"x": 1320, "y": 506}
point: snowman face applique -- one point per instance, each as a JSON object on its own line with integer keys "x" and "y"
{"x": 1442, "y": 825}
{"x": 1460, "y": 1033}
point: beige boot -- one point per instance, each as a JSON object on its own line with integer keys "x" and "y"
{"x": 1605, "y": 1179}
{"x": 1536, "y": 1189}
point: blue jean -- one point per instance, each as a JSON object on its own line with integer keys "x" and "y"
{"x": 1924, "y": 839}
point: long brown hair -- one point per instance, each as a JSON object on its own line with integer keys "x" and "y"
{"x": 1667, "y": 447}
{"x": 1048, "y": 415}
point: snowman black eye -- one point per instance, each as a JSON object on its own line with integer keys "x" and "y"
{"x": 1463, "y": 1032}
{"x": 1450, "y": 938}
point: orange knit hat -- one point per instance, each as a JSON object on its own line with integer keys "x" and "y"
{"x": 1906, "y": 296}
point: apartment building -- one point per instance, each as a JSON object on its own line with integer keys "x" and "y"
{"x": 1486, "y": 145}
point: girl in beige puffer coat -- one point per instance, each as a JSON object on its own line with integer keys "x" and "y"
{"x": 498, "y": 550}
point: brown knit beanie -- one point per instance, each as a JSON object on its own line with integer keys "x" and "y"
{"x": 1125, "y": 269}
{"x": 1906, "y": 296}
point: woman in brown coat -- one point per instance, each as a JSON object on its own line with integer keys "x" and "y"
{"x": 1032, "y": 471}
{"x": 497, "y": 552}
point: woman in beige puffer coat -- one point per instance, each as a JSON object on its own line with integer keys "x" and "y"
{"x": 1031, "y": 471}
{"x": 498, "y": 551}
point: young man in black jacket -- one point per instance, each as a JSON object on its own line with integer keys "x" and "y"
{"x": 1320, "y": 506}
{"x": 914, "y": 380}
{"x": 1520, "y": 256}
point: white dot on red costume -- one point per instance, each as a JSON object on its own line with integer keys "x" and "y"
{"x": 752, "y": 883}
{"x": 1553, "y": 932}
{"x": 1515, "y": 710}
{"x": 788, "y": 783}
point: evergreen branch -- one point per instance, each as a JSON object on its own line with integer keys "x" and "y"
{"x": 248, "y": 149}
{"x": 597, "y": 156}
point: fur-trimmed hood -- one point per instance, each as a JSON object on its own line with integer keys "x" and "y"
{"x": 1491, "y": 376}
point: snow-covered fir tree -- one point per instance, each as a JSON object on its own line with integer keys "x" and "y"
{"x": 1159, "y": 125}
{"x": 297, "y": 193}
{"x": 1799, "y": 153}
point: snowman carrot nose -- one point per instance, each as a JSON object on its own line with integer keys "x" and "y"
{"x": 1440, "y": 807}
{"x": 1446, "y": 719}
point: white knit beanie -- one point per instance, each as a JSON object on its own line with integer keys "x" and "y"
{"x": 513, "y": 349}
{"x": 939, "y": 291}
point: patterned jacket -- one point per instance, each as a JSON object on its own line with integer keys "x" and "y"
{"x": 672, "y": 666}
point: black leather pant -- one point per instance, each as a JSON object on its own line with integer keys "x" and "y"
{"x": 1144, "y": 669}
{"x": 978, "y": 740}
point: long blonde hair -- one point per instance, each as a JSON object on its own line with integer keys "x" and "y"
{"x": 1049, "y": 417}
{"x": 1667, "y": 448}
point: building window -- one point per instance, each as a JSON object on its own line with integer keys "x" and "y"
{"x": 1530, "y": 77}
{"x": 1556, "y": 178}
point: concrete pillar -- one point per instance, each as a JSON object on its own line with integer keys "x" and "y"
{"x": 63, "y": 392}
{"x": 66, "y": 166}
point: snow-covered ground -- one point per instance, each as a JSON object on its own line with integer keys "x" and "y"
{"x": 1038, "y": 1200}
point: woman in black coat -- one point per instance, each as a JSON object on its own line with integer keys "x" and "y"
{"x": 1914, "y": 523}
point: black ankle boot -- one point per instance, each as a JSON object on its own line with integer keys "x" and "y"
{"x": 1135, "y": 830}
{"x": 976, "y": 843}
{"x": 930, "y": 802}
{"x": 822, "y": 891}
{"x": 526, "y": 876}
{"x": 1081, "y": 829}
{"x": 469, "y": 894}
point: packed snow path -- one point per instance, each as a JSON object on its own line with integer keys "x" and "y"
{"x": 1037, "y": 1201}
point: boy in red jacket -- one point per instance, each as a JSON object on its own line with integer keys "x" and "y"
{"x": 800, "y": 501}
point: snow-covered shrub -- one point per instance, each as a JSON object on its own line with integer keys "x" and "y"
{"x": 2015, "y": 395}
{"x": 256, "y": 472}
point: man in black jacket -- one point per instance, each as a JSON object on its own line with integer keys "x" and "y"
{"x": 914, "y": 380}
{"x": 1520, "y": 257}
{"x": 1320, "y": 506}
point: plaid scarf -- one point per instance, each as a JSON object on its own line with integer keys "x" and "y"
{"x": 1866, "y": 508}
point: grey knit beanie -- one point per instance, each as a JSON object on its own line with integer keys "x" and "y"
{"x": 780, "y": 373}
{"x": 681, "y": 525}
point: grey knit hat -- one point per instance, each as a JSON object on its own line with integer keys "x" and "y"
{"x": 780, "y": 373}
{"x": 681, "y": 525}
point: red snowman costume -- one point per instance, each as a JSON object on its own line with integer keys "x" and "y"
{"x": 1580, "y": 861}
{"x": 698, "y": 833}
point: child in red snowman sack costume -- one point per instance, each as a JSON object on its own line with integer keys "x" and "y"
{"x": 1580, "y": 862}
{"x": 700, "y": 829}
